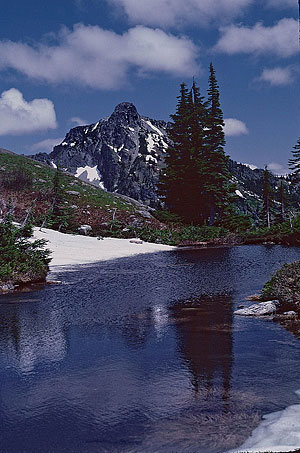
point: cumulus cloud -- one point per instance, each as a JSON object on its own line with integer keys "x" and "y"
{"x": 78, "y": 121}
{"x": 278, "y": 76}
{"x": 282, "y": 3}
{"x": 18, "y": 116}
{"x": 166, "y": 13}
{"x": 280, "y": 39}
{"x": 278, "y": 169}
{"x": 45, "y": 146}
{"x": 234, "y": 127}
{"x": 98, "y": 58}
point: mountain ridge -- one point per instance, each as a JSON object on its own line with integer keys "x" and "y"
{"x": 125, "y": 152}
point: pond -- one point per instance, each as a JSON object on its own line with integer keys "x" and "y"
{"x": 144, "y": 354}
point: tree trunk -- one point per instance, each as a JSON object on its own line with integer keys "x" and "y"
{"x": 212, "y": 215}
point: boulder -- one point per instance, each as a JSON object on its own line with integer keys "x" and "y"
{"x": 85, "y": 229}
{"x": 290, "y": 314}
{"x": 136, "y": 241}
{"x": 261, "y": 309}
{"x": 73, "y": 192}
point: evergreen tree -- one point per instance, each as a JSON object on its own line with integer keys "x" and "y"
{"x": 194, "y": 184}
{"x": 173, "y": 183}
{"x": 284, "y": 199}
{"x": 267, "y": 198}
{"x": 59, "y": 216}
{"x": 294, "y": 163}
{"x": 215, "y": 163}
{"x": 22, "y": 260}
{"x": 197, "y": 121}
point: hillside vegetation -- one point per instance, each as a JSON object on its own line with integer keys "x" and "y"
{"x": 29, "y": 186}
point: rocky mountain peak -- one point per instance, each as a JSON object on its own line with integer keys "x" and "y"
{"x": 125, "y": 113}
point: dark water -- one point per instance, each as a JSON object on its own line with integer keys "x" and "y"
{"x": 143, "y": 354}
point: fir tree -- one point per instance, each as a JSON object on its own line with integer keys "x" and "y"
{"x": 267, "y": 198}
{"x": 59, "y": 216}
{"x": 173, "y": 183}
{"x": 283, "y": 199}
{"x": 215, "y": 163}
{"x": 197, "y": 121}
{"x": 294, "y": 163}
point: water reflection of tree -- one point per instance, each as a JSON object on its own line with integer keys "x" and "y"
{"x": 204, "y": 330}
{"x": 29, "y": 337}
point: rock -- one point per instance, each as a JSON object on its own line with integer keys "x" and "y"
{"x": 145, "y": 214}
{"x": 73, "y": 192}
{"x": 136, "y": 241}
{"x": 262, "y": 309}
{"x": 85, "y": 229}
{"x": 6, "y": 287}
{"x": 290, "y": 314}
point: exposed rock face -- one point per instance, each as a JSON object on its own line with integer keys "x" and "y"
{"x": 123, "y": 153}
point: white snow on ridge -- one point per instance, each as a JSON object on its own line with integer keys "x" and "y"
{"x": 239, "y": 194}
{"x": 151, "y": 159}
{"x": 96, "y": 125}
{"x": 72, "y": 144}
{"x": 251, "y": 166}
{"x": 278, "y": 432}
{"x": 90, "y": 174}
{"x": 53, "y": 164}
{"x": 154, "y": 127}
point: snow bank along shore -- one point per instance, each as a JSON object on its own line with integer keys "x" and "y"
{"x": 278, "y": 432}
{"x": 69, "y": 249}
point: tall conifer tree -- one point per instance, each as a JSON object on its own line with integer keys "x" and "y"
{"x": 173, "y": 184}
{"x": 267, "y": 198}
{"x": 215, "y": 162}
{"x": 197, "y": 124}
{"x": 294, "y": 163}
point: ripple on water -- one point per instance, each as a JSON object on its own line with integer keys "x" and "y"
{"x": 144, "y": 354}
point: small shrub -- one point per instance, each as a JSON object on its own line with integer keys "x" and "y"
{"x": 21, "y": 260}
{"x": 16, "y": 180}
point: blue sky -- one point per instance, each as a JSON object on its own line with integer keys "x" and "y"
{"x": 69, "y": 62}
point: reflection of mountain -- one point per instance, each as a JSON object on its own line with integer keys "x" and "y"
{"x": 28, "y": 337}
{"x": 204, "y": 329}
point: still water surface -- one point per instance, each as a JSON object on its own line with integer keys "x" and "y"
{"x": 144, "y": 354}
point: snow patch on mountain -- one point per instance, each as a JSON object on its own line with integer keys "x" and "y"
{"x": 239, "y": 193}
{"x": 90, "y": 174}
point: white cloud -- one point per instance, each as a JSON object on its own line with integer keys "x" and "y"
{"x": 278, "y": 169}
{"x": 282, "y": 3}
{"x": 166, "y": 13}
{"x": 234, "y": 127}
{"x": 17, "y": 116}
{"x": 280, "y": 39}
{"x": 78, "y": 121}
{"x": 98, "y": 58}
{"x": 278, "y": 76}
{"x": 47, "y": 145}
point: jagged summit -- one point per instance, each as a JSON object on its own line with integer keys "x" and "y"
{"x": 122, "y": 153}
{"x": 125, "y": 113}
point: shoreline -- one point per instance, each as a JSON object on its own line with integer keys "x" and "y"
{"x": 69, "y": 249}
